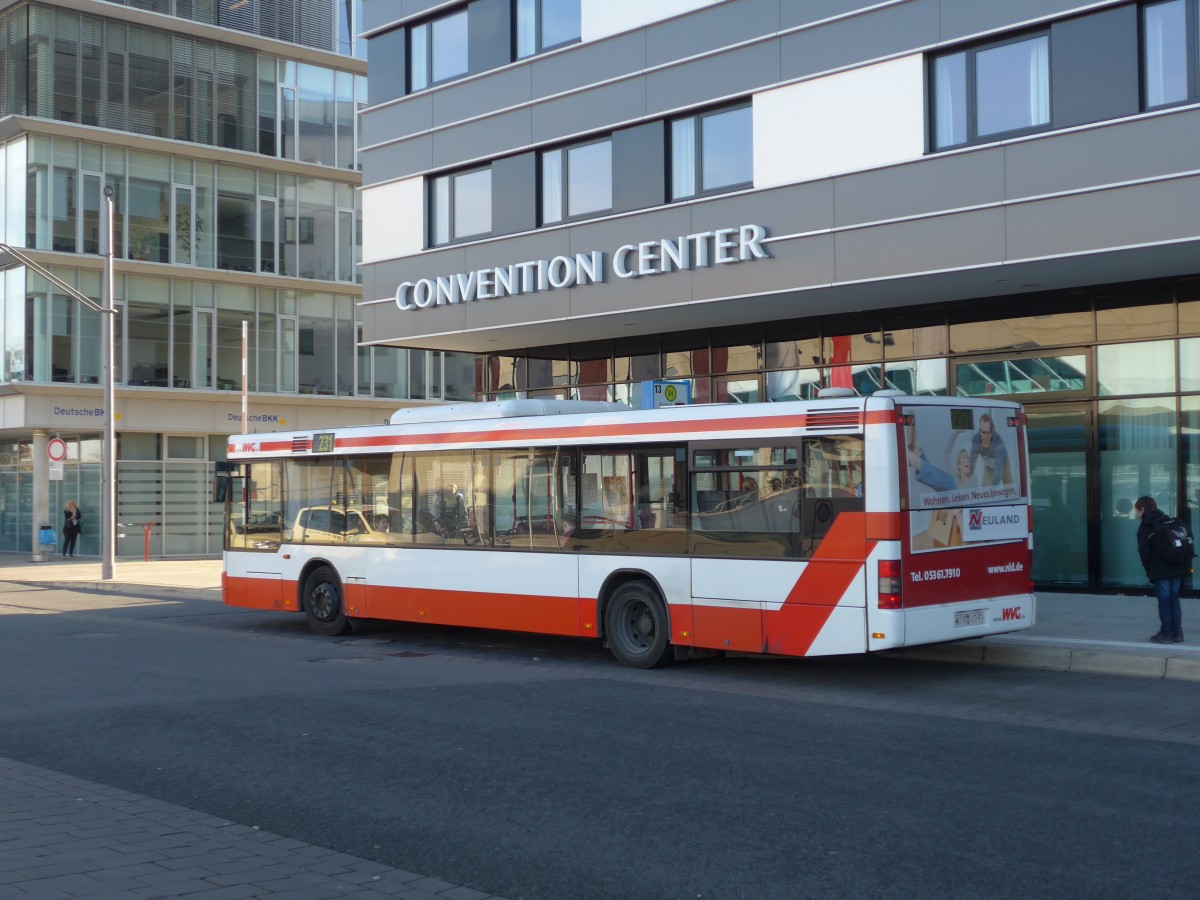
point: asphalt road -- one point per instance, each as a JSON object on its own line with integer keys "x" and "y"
{"x": 533, "y": 767}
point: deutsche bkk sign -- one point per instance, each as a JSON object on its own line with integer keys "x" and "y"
{"x": 658, "y": 257}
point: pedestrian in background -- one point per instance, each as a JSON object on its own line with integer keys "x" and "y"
{"x": 1166, "y": 575}
{"x": 72, "y": 520}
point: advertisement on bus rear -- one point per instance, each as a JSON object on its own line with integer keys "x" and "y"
{"x": 963, "y": 477}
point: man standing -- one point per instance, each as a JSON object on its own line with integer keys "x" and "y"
{"x": 1166, "y": 576}
{"x": 989, "y": 447}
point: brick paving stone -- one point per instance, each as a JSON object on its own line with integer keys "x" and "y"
{"x": 64, "y": 837}
{"x": 434, "y": 885}
{"x": 180, "y": 889}
{"x": 464, "y": 893}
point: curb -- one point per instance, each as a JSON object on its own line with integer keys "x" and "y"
{"x": 1063, "y": 658}
{"x": 147, "y": 591}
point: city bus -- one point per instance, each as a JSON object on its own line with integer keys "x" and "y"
{"x": 838, "y": 525}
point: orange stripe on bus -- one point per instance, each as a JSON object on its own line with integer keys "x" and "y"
{"x": 794, "y": 627}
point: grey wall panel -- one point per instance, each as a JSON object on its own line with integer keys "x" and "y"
{"x": 483, "y": 138}
{"x": 394, "y": 161}
{"x": 785, "y": 210}
{"x": 709, "y": 28}
{"x": 480, "y": 96}
{"x": 526, "y": 307}
{"x": 412, "y": 115}
{"x": 1140, "y": 214}
{"x": 945, "y": 242}
{"x": 935, "y": 183}
{"x": 489, "y": 34}
{"x": 639, "y": 162}
{"x": 584, "y": 64}
{"x": 369, "y": 283}
{"x": 514, "y": 194}
{"x": 1095, "y": 68}
{"x": 891, "y": 30}
{"x": 377, "y": 13}
{"x": 799, "y": 262}
{"x": 965, "y": 18}
{"x": 697, "y": 82}
{"x": 1142, "y": 148}
{"x": 387, "y": 59}
{"x": 802, "y": 12}
{"x": 589, "y": 111}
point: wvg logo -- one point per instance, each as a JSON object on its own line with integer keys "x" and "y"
{"x": 1011, "y": 614}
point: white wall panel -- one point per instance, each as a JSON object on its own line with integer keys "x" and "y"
{"x": 600, "y": 18}
{"x": 393, "y": 220}
{"x": 866, "y": 117}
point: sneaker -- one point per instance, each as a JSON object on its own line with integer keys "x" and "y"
{"x": 1160, "y": 638}
{"x": 1178, "y": 638}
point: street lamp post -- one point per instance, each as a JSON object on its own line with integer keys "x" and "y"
{"x": 108, "y": 479}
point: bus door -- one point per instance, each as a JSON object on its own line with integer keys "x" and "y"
{"x": 966, "y": 531}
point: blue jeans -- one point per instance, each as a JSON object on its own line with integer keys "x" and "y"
{"x": 1169, "y": 613}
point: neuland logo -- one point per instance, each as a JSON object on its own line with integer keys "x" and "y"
{"x": 689, "y": 251}
{"x": 979, "y": 519}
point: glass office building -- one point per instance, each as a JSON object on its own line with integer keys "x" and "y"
{"x": 229, "y": 135}
{"x": 763, "y": 198}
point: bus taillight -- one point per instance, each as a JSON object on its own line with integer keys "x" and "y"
{"x": 889, "y": 584}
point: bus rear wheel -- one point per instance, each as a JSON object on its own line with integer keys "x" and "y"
{"x": 323, "y": 603}
{"x": 636, "y": 626}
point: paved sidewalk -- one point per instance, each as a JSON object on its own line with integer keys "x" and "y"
{"x": 64, "y": 837}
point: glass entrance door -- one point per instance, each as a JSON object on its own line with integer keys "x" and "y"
{"x": 1059, "y": 436}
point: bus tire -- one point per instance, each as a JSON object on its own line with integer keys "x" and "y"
{"x": 637, "y": 627}
{"x": 323, "y": 605}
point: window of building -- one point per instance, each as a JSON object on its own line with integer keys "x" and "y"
{"x": 460, "y": 206}
{"x": 437, "y": 50}
{"x": 545, "y": 24}
{"x": 1168, "y": 76}
{"x": 576, "y": 181}
{"x": 996, "y": 89}
{"x": 712, "y": 151}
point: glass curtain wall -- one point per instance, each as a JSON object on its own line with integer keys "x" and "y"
{"x": 170, "y": 209}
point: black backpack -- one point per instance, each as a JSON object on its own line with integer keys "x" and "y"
{"x": 1173, "y": 542}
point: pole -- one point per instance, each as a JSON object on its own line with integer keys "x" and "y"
{"x": 245, "y": 377}
{"x": 108, "y": 454}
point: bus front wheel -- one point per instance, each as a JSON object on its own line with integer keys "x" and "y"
{"x": 323, "y": 603}
{"x": 636, "y": 626}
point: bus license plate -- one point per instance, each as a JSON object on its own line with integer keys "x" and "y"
{"x": 969, "y": 617}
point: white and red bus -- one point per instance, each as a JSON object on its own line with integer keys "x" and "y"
{"x": 840, "y": 525}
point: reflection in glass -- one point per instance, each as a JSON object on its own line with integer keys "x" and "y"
{"x": 1035, "y": 375}
{"x": 1137, "y": 457}
{"x": 448, "y": 44}
{"x": 1058, "y": 469}
{"x": 683, "y": 158}
{"x": 560, "y": 22}
{"x": 473, "y": 203}
{"x": 589, "y": 178}
{"x": 726, "y": 141}
{"x": 1128, "y": 322}
{"x": 950, "y": 100}
{"x": 1023, "y": 332}
{"x": 1165, "y": 53}
{"x": 1012, "y": 86}
{"x": 1142, "y": 368}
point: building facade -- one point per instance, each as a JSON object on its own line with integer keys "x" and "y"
{"x": 761, "y": 197}
{"x": 228, "y": 133}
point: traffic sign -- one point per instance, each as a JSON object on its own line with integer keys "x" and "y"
{"x": 56, "y": 449}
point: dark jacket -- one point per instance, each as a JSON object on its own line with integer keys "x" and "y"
{"x": 72, "y": 521}
{"x": 1155, "y": 567}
